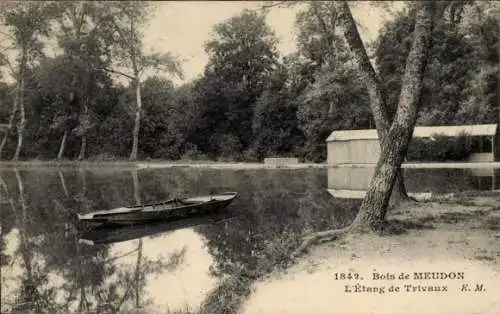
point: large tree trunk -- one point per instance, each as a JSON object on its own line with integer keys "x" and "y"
{"x": 378, "y": 102}
{"x": 137, "y": 122}
{"x": 62, "y": 146}
{"x": 83, "y": 147}
{"x": 395, "y": 144}
{"x": 10, "y": 124}
{"x": 22, "y": 120}
{"x": 85, "y": 122}
{"x": 72, "y": 98}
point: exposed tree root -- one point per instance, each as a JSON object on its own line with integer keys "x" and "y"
{"x": 319, "y": 237}
{"x": 410, "y": 199}
{"x": 330, "y": 235}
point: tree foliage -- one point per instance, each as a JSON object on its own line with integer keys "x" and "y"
{"x": 250, "y": 102}
{"x": 460, "y": 78}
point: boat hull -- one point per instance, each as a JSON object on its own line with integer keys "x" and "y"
{"x": 108, "y": 234}
{"x": 155, "y": 212}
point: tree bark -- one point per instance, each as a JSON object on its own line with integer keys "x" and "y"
{"x": 378, "y": 103}
{"x": 10, "y": 124}
{"x": 399, "y": 192}
{"x": 62, "y": 146}
{"x": 373, "y": 209}
{"x": 85, "y": 119}
{"x": 83, "y": 147}
{"x": 137, "y": 122}
{"x": 22, "y": 119}
{"x": 72, "y": 98}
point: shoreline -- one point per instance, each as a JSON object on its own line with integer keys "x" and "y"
{"x": 230, "y": 165}
{"x": 156, "y": 164}
{"x": 453, "y": 236}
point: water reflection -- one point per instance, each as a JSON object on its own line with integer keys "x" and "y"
{"x": 209, "y": 262}
{"x": 352, "y": 182}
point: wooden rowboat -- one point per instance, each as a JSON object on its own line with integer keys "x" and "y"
{"x": 170, "y": 209}
{"x": 118, "y": 233}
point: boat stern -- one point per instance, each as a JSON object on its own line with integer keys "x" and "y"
{"x": 85, "y": 216}
{"x": 85, "y": 241}
{"x": 226, "y": 196}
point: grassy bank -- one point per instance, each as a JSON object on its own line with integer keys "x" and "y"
{"x": 460, "y": 234}
{"x": 66, "y": 164}
{"x": 210, "y": 164}
{"x": 152, "y": 164}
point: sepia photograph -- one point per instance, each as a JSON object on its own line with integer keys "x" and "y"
{"x": 250, "y": 157}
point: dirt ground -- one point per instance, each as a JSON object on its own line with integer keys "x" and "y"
{"x": 452, "y": 238}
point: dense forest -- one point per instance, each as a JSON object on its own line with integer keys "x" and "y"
{"x": 251, "y": 101}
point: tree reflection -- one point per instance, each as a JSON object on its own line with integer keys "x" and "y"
{"x": 138, "y": 282}
{"x": 60, "y": 275}
{"x": 5, "y": 226}
{"x": 30, "y": 296}
{"x": 273, "y": 209}
{"x": 278, "y": 208}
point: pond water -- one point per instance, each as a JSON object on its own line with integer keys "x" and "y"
{"x": 211, "y": 260}
{"x": 420, "y": 180}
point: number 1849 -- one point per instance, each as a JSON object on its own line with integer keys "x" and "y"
{"x": 346, "y": 276}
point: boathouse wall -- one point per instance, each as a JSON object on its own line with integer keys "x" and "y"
{"x": 363, "y": 147}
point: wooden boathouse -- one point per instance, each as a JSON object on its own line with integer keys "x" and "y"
{"x": 363, "y": 147}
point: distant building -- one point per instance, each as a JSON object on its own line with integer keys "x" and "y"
{"x": 362, "y": 146}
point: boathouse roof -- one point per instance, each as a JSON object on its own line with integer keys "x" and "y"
{"x": 420, "y": 131}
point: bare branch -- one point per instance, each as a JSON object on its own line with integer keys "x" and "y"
{"x": 274, "y": 4}
{"x": 165, "y": 62}
{"x": 116, "y": 72}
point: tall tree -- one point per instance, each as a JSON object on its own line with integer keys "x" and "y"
{"x": 378, "y": 102}
{"x": 242, "y": 56}
{"x": 57, "y": 105}
{"x": 481, "y": 25}
{"x": 158, "y": 103}
{"x": 26, "y": 23}
{"x": 394, "y": 146}
{"x": 371, "y": 215}
{"x": 129, "y": 18}
{"x": 457, "y": 67}
{"x": 274, "y": 124}
{"x": 85, "y": 41}
{"x": 335, "y": 98}
{"x": 324, "y": 18}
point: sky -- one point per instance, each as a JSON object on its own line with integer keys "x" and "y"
{"x": 182, "y": 27}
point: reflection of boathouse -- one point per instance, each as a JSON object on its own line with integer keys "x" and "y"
{"x": 362, "y": 146}
{"x": 352, "y": 155}
{"x": 352, "y": 182}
